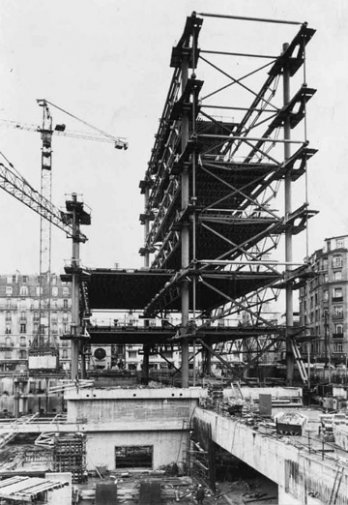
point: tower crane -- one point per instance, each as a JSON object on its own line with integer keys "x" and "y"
{"x": 42, "y": 341}
{"x": 14, "y": 184}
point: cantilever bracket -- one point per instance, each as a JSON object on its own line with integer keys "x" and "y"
{"x": 290, "y": 58}
{"x": 184, "y": 104}
{"x": 295, "y": 110}
{"x": 297, "y": 220}
{"x": 182, "y": 50}
{"x": 296, "y": 164}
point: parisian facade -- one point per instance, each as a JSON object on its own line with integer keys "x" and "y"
{"x": 323, "y": 302}
{"x": 19, "y": 317}
{"x": 19, "y": 324}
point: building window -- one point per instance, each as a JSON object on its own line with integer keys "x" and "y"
{"x": 8, "y": 290}
{"x": 132, "y": 354}
{"x": 337, "y": 261}
{"x": 22, "y": 354}
{"x": 326, "y": 295}
{"x": 23, "y": 315}
{"x": 8, "y": 330}
{"x": 23, "y": 291}
{"x": 338, "y": 347}
{"x": 338, "y": 311}
{"x": 66, "y": 291}
{"x": 8, "y": 316}
{"x": 65, "y": 354}
{"x": 25, "y": 278}
{"x": 9, "y": 279}
{"x": 338, "y": 331}
{"x": 23, "y": 328}
{"x": 8, "y": 354}
{"x": 338, "y": 275}
{"x": 339, "y": 243}
{"x": 23, "y": 342}
{"x": 65, "y": 304}
{"x": 38, "y": 290}
{"x": 337, "y": 294}
{"x": 325, "y": 264}
{"x": 54, "y": 291}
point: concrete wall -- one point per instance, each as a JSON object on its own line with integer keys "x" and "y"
{"x": 101, "y": 411}
{"x": 130, "y": 417}
{"x": 303, "y": 477}
{"x": 168, "y": 447}
{"x": 277, "y": 393}
{"x": 108, "y": 405}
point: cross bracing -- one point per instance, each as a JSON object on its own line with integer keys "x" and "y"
{"x": 217, "y": 204}
{"x": 212, "y": 184}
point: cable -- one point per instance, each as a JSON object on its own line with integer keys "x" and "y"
{"x": 102, "y": 132}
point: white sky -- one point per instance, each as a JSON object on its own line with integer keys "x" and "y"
{"x": 107, "y": 61}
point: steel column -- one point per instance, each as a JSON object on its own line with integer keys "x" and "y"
{"x": 185, "y": 238}
{"x": 146, "y": 348}
{"x": 75, "y": 293}
{"x": 289, "y": 317}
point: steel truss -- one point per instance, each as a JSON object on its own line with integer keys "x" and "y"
{"x": 211, "y": 185}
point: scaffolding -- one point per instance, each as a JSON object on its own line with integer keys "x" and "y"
{"x": 69, "y": 455}
{"x": 211, "y": 189}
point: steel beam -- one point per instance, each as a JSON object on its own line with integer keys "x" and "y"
{"x": 246, "y": 18}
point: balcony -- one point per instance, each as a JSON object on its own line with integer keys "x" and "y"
{"x": 337, "y": 299}
{"x": 338, "y": 335}
{"x": 337, "y": 316}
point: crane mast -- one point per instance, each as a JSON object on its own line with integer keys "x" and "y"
{"x": 44, "y": 328}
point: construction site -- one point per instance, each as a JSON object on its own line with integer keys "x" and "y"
{"x": 233, "y": 414}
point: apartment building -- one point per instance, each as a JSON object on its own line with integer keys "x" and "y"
{"x": 323, "y": 301}
{"x": 19, "y": 317}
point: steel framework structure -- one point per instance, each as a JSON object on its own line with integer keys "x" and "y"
{"x": 211, "y": 185}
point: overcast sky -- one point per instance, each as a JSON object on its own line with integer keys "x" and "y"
{"x": 107, "y": 61}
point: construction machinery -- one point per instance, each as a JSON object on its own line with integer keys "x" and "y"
{"x": 43, "y": 354}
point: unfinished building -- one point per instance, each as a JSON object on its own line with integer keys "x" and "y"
{"x": 210, "y": 218}
{"x": 213, "y": 214}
